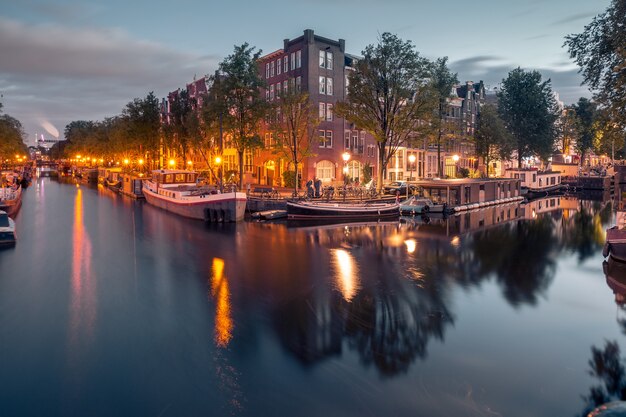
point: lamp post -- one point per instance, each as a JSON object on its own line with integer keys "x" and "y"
{"x": 218, "y": 162}
{"x": 346, "y": 157}
{"x": 411, "y": 166}
{"x": 455, "y": 158}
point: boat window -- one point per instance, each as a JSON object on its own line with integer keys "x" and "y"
{"x": 4, "y": 221}
{"x": 180, "y": 177}
{"x": 168, "y": 178}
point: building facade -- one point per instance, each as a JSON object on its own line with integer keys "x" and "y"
{"x": 320, "y": 67}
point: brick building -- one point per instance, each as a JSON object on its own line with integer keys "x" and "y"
{"x": 319, "y": 66}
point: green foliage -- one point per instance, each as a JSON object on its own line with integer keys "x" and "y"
{"x": 388, "y": 95}
{"x": 463, "y": 173}
{"x": 442, "y": 80}
{"x": 367, "y": 172}
{"x": 11, "y": 138}
{"x": 491, "y": 138}
{"x": 585, "y": 112}
{"x": 600, "y": 53}
{"x": 293, "y": 123}
{"x": 529, "y": 110}
{"x": 237, "y": 104}
{"x": 289, "y": 179}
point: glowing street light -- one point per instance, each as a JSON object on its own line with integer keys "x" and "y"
{"x": 456, "y": 158}
{"x": 411, "y": 166}
{"x": 172, "y": 163}
{"x": 218, "y": 162}
{"x": 346, "y": 157}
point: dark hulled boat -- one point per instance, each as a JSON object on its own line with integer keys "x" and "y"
{"x": 308, "y": 210}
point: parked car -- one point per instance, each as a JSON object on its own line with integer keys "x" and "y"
{"x": 396, "y": 186}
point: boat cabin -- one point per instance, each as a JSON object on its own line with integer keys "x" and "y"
{"x": 533, "y": 179}
{"x": 467, "y": 191}
{"x": 172, "y": 176}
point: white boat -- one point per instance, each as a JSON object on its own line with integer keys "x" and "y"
{"x": 7, "y": 230}
{"x": 534, "y": 181}
{"x": 177, "y": 191}
{"x": 421, "y": 205}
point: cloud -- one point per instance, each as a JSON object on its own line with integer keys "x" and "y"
{"x": 60, "y": 74}
{"x": 574, "y": 18}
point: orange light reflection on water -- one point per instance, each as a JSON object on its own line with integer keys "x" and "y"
{"x": 346, "y": 273}
{"x": 83, "y": 297}
{"x": 221, "y": 293}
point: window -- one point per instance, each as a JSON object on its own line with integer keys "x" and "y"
{"x": 329, "y": 112}
{"x": 292, "y": 84}
{"x": 293, "y": 61}
{"x": 285, "y": 87}
{"x": 346, "y": 139}
{"x": 272, "y": 69}
{"x": 271, "y": 92}
{"x": 267, "y": 70}
{"x": 322, "y": 111}
{"x": 278, "y": 88}
{"x": 355, "y": 139}
{"x": 298, "y": 59}
{"x": 361, "y": 141}
{"x": 286, "y": 63}
{"x": 324, "y": 170}
{"x": 298, "y": 84}
{"x": 329, "y": 86}
{"x": 326, "y": 59}
{"x": 326, "y": 138}
{"x": 278, "y": 67}
{"x": 322, "y": 85}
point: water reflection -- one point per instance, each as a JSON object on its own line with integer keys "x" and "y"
{"x": 346, "y": 273}
{"x": 83, "y": 284}
{"x": 221, "y": 294}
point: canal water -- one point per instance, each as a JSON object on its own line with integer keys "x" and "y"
{"x": 111, "y": 307}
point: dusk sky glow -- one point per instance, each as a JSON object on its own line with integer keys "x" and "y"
{"x": 84, "y": 60}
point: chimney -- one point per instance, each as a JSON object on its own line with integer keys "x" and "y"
{"x": 285, "y": 45}
{"x": 342, "y": 45}
{"x": 308, "y": 36}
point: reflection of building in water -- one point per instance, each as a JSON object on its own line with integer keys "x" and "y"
{"x": 464, "y": 222}
{"x": 534, "y": 208}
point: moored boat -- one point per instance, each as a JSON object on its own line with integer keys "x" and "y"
{"x": 615, "y": 245}
{"x": 7, "y": 230}
{"x": 10, "y": 199}
{"x": 421, "y": 205}
{"x": 309, "y": 210}
{"x": 176, "y": 191}
{"x": 535, "y": 182}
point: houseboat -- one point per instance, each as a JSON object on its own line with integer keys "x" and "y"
{"x": 615, "y": 245}
{"x": 131, "y": 184}
{"x": 11, "y": 196}
{"x": 536, "y": 182}
{"x": 7, "y": 230}
{"x": 177, "y": 191}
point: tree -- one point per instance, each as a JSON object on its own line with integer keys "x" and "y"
{"x": 600, "y": 52}
{"x": 491, "y": 138}
{"x": 177, "y": 131}
{"x": 609, "y": 138}
{"x": 11, "y": 137}
{"x": 389, "y": 95}
{"x": 442, "y": 81}
{"x": 529, "y": 110}
{"x": 239, "y": 106}
{"x": 585, "y": 111}
{"x": 293, "y": 122}
{"x": 143, "y": 123}
{"x": 567, "y": 130}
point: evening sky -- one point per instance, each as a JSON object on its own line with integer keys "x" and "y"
{"x": 62, "y": 60}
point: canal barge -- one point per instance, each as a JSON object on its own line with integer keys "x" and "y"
{"x": 535, "y": 182}
{"x": 312, "y": 210}
{"x": 177, "y": 191}
{"x": 7, "y": 230}
{"x": 11, "y": 199}
{"x": 615, "y": 245}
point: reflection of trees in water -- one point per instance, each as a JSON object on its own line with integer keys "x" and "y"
{"x": 583, "y": 233}
{"x": 520, "y": 255}
{"x": 607, "y": 366}
{"x": 390, "y": 325}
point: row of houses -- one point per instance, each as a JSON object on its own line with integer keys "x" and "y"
{"x": 320, "y": 66}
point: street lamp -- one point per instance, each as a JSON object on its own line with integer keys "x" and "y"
{"x": 411, "y": 166}
{"x": 346, "y": 157}
{"x": 218, "y": 162}
{"x": 455, "y": 158}
{"x": 172, "y": 163}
